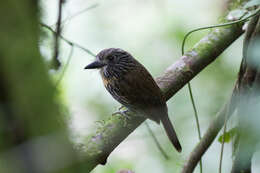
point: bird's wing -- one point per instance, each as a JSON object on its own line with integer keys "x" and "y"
{"x": 140, "y": 91}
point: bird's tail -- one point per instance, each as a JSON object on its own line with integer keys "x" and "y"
{"x": 171, "y": 133}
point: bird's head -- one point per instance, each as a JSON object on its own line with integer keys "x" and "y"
{"x": 111, "y": 58}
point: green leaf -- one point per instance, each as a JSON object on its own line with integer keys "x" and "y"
{"x": 228, "y": 135}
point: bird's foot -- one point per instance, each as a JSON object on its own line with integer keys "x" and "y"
{"x": 121, "y": 107}
{"x": 124, "y": 114}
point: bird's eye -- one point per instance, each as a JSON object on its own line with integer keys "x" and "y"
{"x": 110, "y": 58}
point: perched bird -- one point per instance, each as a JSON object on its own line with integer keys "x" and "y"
{"x": 133, "y": 86}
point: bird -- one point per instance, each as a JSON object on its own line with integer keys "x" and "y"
{"x": 130, "y": 83}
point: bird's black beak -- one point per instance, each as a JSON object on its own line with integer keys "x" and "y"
{"x": 95, "y": 64}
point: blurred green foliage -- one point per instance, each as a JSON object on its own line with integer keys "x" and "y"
{"x": 227, "y": 137}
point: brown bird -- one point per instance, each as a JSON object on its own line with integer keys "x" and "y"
{"x": 133, "y": 86}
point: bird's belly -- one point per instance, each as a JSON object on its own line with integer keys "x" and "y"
{"x": 116, "y": 92}
{"x": 137, "y": 96}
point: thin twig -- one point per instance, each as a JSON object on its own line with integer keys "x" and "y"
{"x": 196, "y": 118}
{"x": 56, "y": 62}
{"x": 65, "y": 67}
{"x": 223, "y": 140}
{"x": 68, "y": 41}
{"x": 220, "y": 25}
{"x": 194, "y": 108}
{"x": 79, "y": 12}
{"x": 156, "y": 141}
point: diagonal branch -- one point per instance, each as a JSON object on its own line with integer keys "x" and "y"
{"x": 210, "y": 134}
{"x": 100, "y": 144}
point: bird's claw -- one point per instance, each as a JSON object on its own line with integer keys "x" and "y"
{"x": 121, "y": 107}
{"x": 124, "y": 114}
